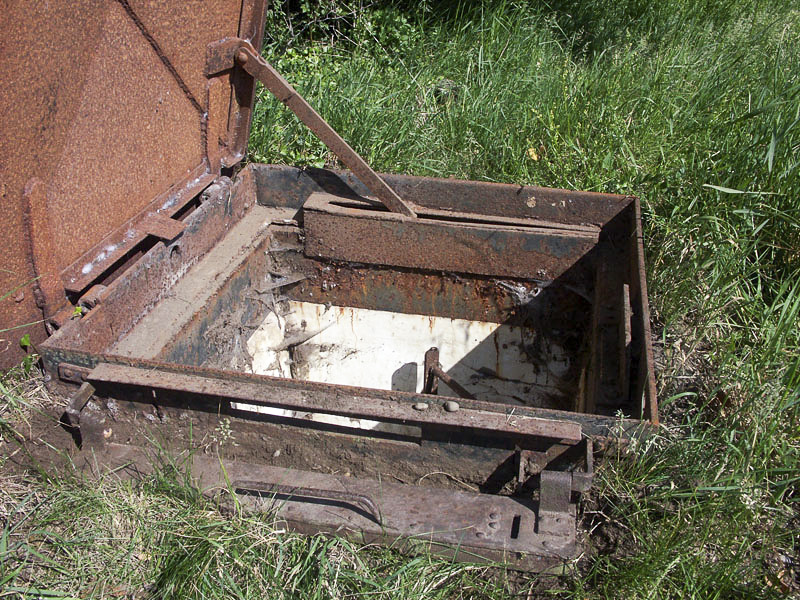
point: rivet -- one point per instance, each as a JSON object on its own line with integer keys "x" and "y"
{"x": 480, "y": 534}
{"x": 493, "y": 524}
{"x": 241, "y": 57}
{"x": 494, "y": 516}
{"x": 451, "y": 406}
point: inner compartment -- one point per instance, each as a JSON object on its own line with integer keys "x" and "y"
{"x": 263, "y": 301}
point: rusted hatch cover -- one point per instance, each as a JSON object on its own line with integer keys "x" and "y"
{"x": 109, "y": 126}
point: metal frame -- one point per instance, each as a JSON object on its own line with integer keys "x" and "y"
{"x": 533, "y": 462}
{"x": 517, "y": 448}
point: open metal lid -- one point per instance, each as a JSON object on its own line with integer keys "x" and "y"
{"x": 110, "y": 124}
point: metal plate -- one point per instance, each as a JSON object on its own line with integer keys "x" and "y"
{"x": 107, "y": 105}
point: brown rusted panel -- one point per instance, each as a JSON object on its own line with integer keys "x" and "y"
{"x": 348, "y": 402}
{"x": 128, "y": 142}
{"x": 279, "y": 185}
{"x": 364, "y": 235}
{"x": 104, "y": 102}
{"x": 181, "y": 31}
{"x": 38, "y": 100}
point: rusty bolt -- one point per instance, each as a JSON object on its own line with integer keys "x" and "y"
{"x": 241, "y": 57}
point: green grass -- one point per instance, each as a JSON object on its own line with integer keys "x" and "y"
{"x": 692, "y": 106}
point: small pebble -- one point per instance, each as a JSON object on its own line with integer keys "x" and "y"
{"x": 451, "y": 406}
{"x": 421, "y": 406}
{"x": 276, "y": 454}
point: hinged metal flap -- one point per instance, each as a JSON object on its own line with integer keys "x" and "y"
{"x": 109, "y": 105}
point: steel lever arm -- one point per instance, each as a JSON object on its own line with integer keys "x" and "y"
{"x": 251, "y": 61}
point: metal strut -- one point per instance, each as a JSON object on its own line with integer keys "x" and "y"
{"x": 251, "y": 61}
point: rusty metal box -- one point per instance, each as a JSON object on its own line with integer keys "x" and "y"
{"x": 439, "y": 379}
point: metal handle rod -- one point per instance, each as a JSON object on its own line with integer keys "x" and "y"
{"x": 260, "y": 69}
{"x": 361, "y": 500}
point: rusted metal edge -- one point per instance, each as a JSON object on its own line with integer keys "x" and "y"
{"x": 93, "y": 263}
{"x": 282, "y": 185}
{"x": 353, "y": 404}
{"x": 80, "y": 362}
{"x": 646, "y": 381}
{"x": 331, "y": 202}
{"x": 366, "y": 236}
{"x": 251, "y": 61}
{"x": 131, "y": 295}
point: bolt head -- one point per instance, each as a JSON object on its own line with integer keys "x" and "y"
{"x": 241, "y": 57}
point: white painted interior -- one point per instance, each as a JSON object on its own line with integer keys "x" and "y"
{"x": 385, "y": 350}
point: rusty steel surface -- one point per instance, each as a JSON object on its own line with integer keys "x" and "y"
{"x": 645, "y": 387}
{"x": 126, "y": 299}
{"x": 344, "y": 401}
{"x": 356, "y": 232}
{"x": 106, "y": 104}
{"x": 252, "y": 62}
{"x": 280, "y": 185}
{"x": 479, "y": 526}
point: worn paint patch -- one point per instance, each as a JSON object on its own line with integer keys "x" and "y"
{"x": 385, "y": 350}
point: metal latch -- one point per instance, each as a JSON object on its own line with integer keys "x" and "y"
{"x": 556, "y": 509}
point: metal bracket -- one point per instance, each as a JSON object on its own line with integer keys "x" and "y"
{"x": 434, "y": 372}
{"x": 556, "y": 509}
